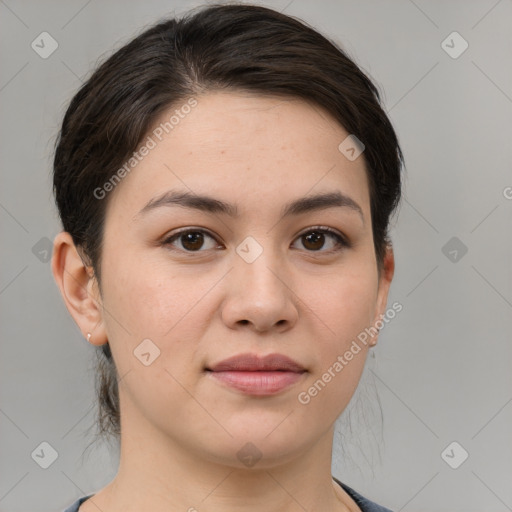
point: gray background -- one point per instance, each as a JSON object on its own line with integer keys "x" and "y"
{"x": 442, "y": 366}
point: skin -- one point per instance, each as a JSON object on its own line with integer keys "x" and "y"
{"x": 181, "y": 429}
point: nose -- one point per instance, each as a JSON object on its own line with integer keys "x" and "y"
{"x": 260, "y": 294}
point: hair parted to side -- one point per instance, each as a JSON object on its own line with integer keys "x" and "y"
{"x": 237, "y": 47}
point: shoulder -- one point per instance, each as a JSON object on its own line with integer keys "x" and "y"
{"x": 363, "y": 503}
{"x": 75, "y": 506}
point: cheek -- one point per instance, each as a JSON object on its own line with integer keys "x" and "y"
{"x": 343, "y": 310}
{"x": 148, "y": 299}
{"x": 345, "y": 305}
{"x": 148, "y": 302}
{"x": 144, "y": 302}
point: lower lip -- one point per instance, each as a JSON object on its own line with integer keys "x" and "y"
{"x": 258, "y": 383}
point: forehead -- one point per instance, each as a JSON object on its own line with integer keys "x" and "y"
{"x": 257, "y": 150}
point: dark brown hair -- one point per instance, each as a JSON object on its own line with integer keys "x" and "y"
{"x": 220, "y": 47}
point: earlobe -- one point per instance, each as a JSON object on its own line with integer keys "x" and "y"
{"x": 77, "y": 287}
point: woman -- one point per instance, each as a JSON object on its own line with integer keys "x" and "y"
{"x": 225, "y": 184}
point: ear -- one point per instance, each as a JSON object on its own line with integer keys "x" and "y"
{"x": 79, "y": 288}
{"x": 383, "y": 290}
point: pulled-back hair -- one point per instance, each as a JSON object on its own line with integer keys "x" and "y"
{"x": 237, "y": 47}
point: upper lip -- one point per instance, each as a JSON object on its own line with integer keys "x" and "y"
{"x": 253, "y": 362}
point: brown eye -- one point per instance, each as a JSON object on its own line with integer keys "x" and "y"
{"x": 192, "y": 240}
{"x": 315, "y": 239}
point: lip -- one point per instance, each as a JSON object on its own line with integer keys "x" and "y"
{"x": 255, "y": 375}
{"x": 253, "y": 363}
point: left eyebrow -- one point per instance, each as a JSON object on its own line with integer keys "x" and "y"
{"x": 209, "y": 204}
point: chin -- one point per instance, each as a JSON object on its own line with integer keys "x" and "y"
{"x": 256, "y": 448}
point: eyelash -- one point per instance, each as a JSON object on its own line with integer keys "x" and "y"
{"x": 342, "y": 242}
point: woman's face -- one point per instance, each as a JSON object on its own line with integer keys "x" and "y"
{"x": 255, "y": 283}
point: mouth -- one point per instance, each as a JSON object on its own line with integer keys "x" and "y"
{"x": 254, "y": 375}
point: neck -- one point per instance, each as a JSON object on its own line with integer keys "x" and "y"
{"x": 158, "y": 473}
